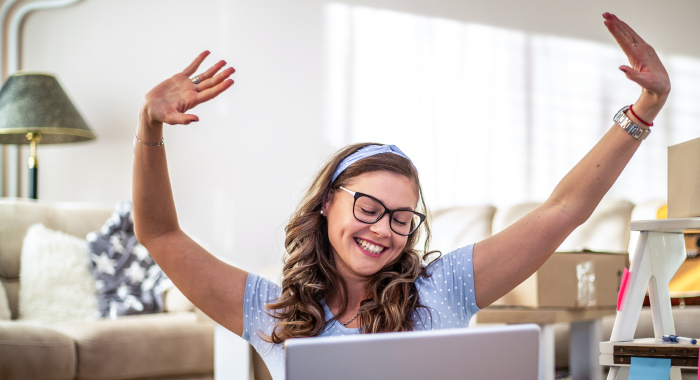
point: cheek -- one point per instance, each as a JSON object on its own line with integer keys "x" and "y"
{"x": 342, "y": 225}
{"x": 400, "y": 243}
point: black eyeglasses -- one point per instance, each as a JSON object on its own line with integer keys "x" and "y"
{"x": 370, "y": 210}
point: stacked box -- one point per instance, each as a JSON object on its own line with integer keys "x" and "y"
{"x": 684, "y": 180}
{"x": 571, "y": 280}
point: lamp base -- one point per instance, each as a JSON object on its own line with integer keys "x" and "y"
{"x": 33, "y": 166}
{"x": 33, "y": 183}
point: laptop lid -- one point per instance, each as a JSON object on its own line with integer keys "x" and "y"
{"x": 503, "y": 352}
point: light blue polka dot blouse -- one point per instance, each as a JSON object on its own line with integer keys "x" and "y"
{"x": 449, "y": 293}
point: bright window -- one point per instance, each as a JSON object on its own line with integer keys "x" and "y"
{"x": 491, "y": 115}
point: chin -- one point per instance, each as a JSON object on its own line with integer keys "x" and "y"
{"x": 367, "y": 271}
{"x": 368, "y": 266}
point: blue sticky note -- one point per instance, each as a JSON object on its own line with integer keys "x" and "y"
{"x": 650, "y": 369}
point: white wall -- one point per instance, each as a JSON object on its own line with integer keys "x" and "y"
{"x": 238, "y": 174}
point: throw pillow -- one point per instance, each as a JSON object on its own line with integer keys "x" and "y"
{"x": 127, "y": 278}
{"x": 5, "y": 313}
{"x": 55, "y": 280}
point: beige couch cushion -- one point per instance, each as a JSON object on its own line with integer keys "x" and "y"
{"x": 142, "y": 346}
{"x": 16, "y": 215}
{"x": 457, "y": 227}
{"x": 12, "y": 292}
{"x": 29, "y": 351}
{"x": 607, "y": 229}
{"x": 5, "y": 313}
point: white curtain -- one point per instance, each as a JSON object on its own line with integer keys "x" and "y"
{"x": 491, "y": 115}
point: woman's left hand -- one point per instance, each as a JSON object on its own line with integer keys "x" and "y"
{"x": 647, "y": 69}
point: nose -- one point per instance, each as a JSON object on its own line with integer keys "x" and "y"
{"x": 381, "y": 227}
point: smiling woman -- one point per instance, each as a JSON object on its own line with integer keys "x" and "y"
{"x": 352, "y": 265}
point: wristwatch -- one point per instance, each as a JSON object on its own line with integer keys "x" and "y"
{"x": 629, "y": 126}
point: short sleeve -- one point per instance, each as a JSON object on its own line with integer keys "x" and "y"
{"x": 452, "y": 278}
{"x": 258, "y": 292}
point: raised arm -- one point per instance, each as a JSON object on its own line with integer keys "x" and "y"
{"x": 504, "y": 260}
{"x": 213, "y": 286}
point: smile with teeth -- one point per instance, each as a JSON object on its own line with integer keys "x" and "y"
{"x": 369, "y": 247}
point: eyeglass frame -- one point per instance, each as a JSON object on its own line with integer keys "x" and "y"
{"x": 357, "y": 194}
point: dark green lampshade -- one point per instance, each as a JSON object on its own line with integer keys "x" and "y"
{"x": 37, "y": 103}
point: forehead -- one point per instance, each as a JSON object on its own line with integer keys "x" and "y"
{"x": 394, "y": 190}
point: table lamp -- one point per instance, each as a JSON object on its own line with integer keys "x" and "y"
{"x": 34, "y": 109}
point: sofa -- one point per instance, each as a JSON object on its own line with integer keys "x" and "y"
{"x": 175, "y": 344}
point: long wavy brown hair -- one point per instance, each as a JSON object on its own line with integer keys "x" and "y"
{"x": 310, "y": 276}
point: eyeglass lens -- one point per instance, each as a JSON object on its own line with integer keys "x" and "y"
{"x": 368, "y": 210}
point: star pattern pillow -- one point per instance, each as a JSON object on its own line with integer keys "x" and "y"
{"x": 127, "y": 278}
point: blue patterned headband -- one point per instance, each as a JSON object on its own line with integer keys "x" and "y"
{"x": 368, "y": 151}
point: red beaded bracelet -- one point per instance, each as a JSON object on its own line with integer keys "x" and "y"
{"x": 639, "y": 118}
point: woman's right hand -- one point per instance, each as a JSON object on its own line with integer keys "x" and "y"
{"x": 169, "y": 101}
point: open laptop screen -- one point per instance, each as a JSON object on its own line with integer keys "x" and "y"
{"x": 503, "y": 352}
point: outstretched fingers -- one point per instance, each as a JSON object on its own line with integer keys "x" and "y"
{"x": 625, "y": 36}
{"x": 619, "y": 32}
{"x": 213, "y": 92}
{"x": 215, "y": 80}
{"x": 209, "y": 74}
{"x": 192, "y": 68}
{"x": 629, "y": 31}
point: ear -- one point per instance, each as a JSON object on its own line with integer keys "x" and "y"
{"x": 325, "y": 203}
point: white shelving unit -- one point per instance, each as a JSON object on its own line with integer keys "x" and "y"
{"x": 660, "y": 252}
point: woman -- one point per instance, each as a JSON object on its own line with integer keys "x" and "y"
{"x": 352, "y": 265}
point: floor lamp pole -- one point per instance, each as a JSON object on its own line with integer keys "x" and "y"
{"x": 33, "y": 166}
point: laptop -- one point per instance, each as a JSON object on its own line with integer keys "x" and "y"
{"x": 502, "y": 352}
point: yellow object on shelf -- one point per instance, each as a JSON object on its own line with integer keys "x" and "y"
{"x": 663, "y": 212}
{"x": 686, "y": 282}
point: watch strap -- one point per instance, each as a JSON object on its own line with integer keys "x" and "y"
{"x": 629, "y": 126}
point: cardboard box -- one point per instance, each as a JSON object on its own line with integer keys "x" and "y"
{"x": 571, "y": 280}
{"x": 684, "y": 180}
